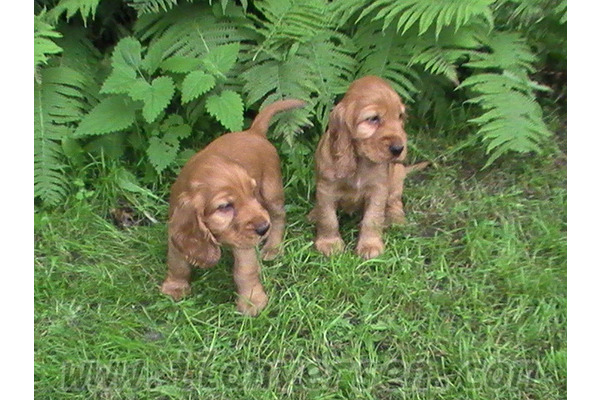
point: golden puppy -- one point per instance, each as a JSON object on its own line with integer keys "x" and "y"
{"x": 358, "y": 166}
{"x": 230, "y": 193}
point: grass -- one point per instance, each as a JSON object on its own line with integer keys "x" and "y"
{"x": 468, "y": 301}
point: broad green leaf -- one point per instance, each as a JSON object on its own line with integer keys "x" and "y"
{"x": 156, "y": 96}
{"x": 180, "y": 64}
{"x": 128, "y": 52}
{"x": 221, "y": 59}
{"x": 195, "y": 84}
{"x": 160, "y": 153}
{"x": 228, "y": 109}
{"x": 175, "y": 129}
{"x": 122, "y": 78}
{"x": 110, "y": 115}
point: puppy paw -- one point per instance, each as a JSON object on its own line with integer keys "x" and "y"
{"x": 254, "y": 305}
{"x": 371, "y": 248}
{"x": 270, "y": 253}
{"x": 175, "y": 289}
{"x": 329, "y": 246}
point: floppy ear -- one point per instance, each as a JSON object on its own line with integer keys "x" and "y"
{"x": 340, "y": 143}
{"x": 189, "y": 234}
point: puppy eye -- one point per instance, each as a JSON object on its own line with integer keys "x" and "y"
{"x": 374, "y": 119}
{"x": 225, "y": 206}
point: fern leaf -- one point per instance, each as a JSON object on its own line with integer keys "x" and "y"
{"x": 333, "y": 66}
{"x": 228, "y": 109}
{"x": 507, "y": 51}
{"x": 151, "y": 6}
{"x": 561, "y": 9}
{"x": 49, "y": 182}
{"x": 112, "y": 114}
{"x": 195, "y": 84}
{"x": 188, "y": 31}
{"x": 407, "y": 13}
{"x": 289, "y": 21}
{"x": 512, "y": 120}
{"x": 156, "y": 95}
{"x": 87, "y": 9}
{"x": 43, "y": 46}
{"x": 271, "y": 79}
{"x": 58, "y": 101}
{"x": 384, "y": 57}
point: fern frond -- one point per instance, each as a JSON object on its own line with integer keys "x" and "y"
{"x": 43, "y": 46}
{"x": 381, "y": 54}
{"x": 151, "y": 6}
{"x": 512, "y": 119}
{"x": 271, "y": 79}
{"x": 341, "y": 11}
{"x": 87, "y": 9}
{"x": 188, "y": 31}
{"x": 333, "y": 67}
{"x": 289, "y": 21}
{"x": 58, "y": 102}
{"x": 506, "y": 51}
{"x": 525, "y": 13}
{"x": 561, "y": 10}
{"x": 449, "y": 13}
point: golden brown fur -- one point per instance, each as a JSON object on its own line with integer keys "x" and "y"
{"x": 359, "y": 166}
{"x": 229, "y": 193}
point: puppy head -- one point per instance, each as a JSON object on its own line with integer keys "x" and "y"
{"x": 370, "y": 121}
{"x": 221, "y": 207}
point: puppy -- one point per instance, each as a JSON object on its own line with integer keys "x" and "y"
{"x": 230, "y": 193}
{"x": 359, "y": 166}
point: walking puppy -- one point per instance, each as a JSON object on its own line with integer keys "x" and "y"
{"x": 359, "y": 166}
{"x": 230, "y": 193}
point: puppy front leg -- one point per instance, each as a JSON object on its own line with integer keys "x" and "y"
{"x": 328, "y": 240}
{"x": 394, "y": 213}
{"x": 252, "y": 298}
{"x": 274, "y": 203}
{"x": 370, "y": 243}
{"x": 272, "y": 247}
{"x": 177, "y": 282}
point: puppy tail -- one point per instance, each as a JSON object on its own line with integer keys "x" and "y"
{"x": 417, "y": 167}
{"x": 261, "y": 122}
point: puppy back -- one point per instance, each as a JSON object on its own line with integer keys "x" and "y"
{"x": 261, "y": 122}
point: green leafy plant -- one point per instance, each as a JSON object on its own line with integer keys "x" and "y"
{"x": 139, "y": 80}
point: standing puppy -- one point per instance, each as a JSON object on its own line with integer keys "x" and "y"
{"x": 358, "y": 165}
{"x": 230, "y": 193}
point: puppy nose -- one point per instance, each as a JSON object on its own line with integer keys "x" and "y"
{"x": 262, "y": 228}
{"x": 396, "y": 149}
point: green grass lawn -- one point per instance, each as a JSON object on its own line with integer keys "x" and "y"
{"x": 467, "y": 302}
